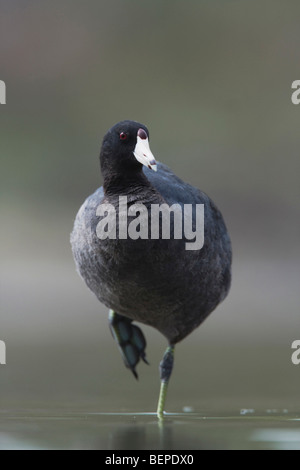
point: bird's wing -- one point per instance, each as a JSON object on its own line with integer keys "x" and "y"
{"x": 172, "y": 188}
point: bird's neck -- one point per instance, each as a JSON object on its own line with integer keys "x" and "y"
{"x": 126, "y": 183}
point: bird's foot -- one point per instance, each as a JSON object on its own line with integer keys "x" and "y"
{"x": 130, "y": 340}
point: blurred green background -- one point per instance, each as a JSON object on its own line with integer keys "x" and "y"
{"x": 212, "y": 81}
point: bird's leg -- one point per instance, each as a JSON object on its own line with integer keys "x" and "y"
{"x": 165, "y": 368}
{"x": 129, "y": 338}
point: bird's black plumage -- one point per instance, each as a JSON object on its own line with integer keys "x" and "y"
{"x": 154, "y": 281}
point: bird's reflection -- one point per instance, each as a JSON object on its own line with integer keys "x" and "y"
{"x": 156, "y": 435}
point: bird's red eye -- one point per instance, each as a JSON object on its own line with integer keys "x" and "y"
{"x": 123, "y": 136}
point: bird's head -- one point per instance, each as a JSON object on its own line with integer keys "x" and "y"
{"x": 125, "y": 149}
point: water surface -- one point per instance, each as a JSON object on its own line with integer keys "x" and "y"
{"x": 241, "y": 429}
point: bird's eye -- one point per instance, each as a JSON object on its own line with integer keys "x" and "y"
{"x": 123, "y": 136}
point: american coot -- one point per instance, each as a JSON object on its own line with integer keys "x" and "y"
{"x": 154, "y": 280}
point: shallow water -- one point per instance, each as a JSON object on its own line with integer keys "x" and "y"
{"x": 241, "y": 429}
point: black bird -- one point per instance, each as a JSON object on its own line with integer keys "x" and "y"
{"x": 138, "y": 272}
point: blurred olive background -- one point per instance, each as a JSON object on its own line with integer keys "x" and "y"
{"x": 212, "y": 81}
